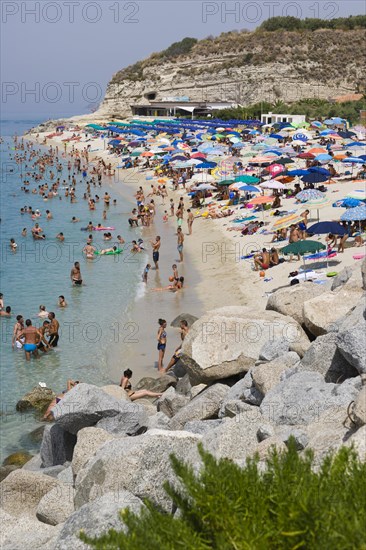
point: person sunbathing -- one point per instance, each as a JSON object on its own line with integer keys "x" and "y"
{"x": 48, "y": 415}
{"x": 126, "y": 385}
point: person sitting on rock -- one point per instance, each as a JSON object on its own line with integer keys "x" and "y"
{"x": 133, "y": 395}
{"x": 48, "y": 415}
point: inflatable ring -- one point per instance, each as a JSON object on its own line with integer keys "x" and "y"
{"x": 332, "y": 273}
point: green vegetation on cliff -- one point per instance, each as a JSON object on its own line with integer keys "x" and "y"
{"x": 225, "y": 507}
{"x": 315, "y": 48}
{"x": 312, "y": 108}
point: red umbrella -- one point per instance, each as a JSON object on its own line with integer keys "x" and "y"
{"x": 198, "y": 156}
{"x": 275, "y": 169}
{"x": 305, "y": 156}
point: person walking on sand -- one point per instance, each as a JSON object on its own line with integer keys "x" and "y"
{"x": 156, "y": 254}
{"x": 75, "y": 275}
{"x": 162, "y": 337}
{"x": 180, "y": 241}
{"x": 190, "y": 219}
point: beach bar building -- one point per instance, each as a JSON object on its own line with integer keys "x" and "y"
{"x": 179, "y": 108}
{"x": 271, "y": 118}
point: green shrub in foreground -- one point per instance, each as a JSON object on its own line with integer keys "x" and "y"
{"x": 289, "y": 506}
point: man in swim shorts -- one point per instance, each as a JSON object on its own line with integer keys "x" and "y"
{"x": 180, "y": 243}
{"x": 156, "y": 247}
{"x": 53, "y": 330}
{"x": 31, "y": 338}
{"x": 75, "y": 275}
{"x": 17, "y": 331}
{"x": 262, "y": 260}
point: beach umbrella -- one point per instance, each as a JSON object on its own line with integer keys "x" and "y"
{"x": 316, "y": 124}
{"x": 298, "y": 172}
{"x": 275, "y": 169}
{"x": 245, "y": 187}
{"x": 286, "y": 221}
{"x": 317, "y": 151}
{"x": 314, "y": 177}
{"x": 320, "y": 170}
{"x": 202, "y": 176}
{"x": 284, "y": 160}
{"x": 263, "y": 199}
{"x": 272, "y": 184}
{"x": 306, "y": 155}
{"x": 358, "y": 194}
{"x": 309, "y": 195}
{"x": 303, "y": 247}
{"x": 317, "y": 204}
{"x": 323, "y": 157}
{"x": 323, "y": 228}
{"x": 354, "y": 214}
{"x": 246, "y": 179}
{"x": 353, "y": 160}
{"x": 301, "y": 136}
{"x": 204, "y": 187}
{"x": 347, "y": 203}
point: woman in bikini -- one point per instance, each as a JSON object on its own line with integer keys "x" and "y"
{"x": 161, "y": 343}
{"x": 133, "y": 395}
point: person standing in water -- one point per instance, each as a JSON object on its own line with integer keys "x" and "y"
{"x": 145, "y": 273}
{"x": 53, "y": 328}
{"x": 31, "y": 338}
{"x": 180, "y": 242}
{"x": 162, "y": 337}
{"x": 75, "y": 275}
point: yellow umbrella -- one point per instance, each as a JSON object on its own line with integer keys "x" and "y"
{"x": 287, "y": 221}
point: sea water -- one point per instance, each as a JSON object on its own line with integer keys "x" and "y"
{"x": 97, "y": 319}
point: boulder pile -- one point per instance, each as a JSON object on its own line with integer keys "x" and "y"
{"x": 252, "y": 380}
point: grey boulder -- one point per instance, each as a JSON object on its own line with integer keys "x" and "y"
{"x": 201, "y": 426}
{"x": 88, "y": 443}
{"x": 84, "y": 406}
{"x": 57, "y": 505}
{"x": 359, "y": 408}
{"x": 290, "y": 300}
{"x": 267, "y": 376}
{"x": 139, "y": 464}
{"x": 57, "y": 446}
{"x": 96, "y": 518}
{"x": 171, "y": 402}
{"x": 202, "y": 407}
{"x": 301, "y": 398}
{"x": 324, "y": 357}
{"x": 22, "y": 490}
{"x": 27, "y": 532}
{"x": 228, "y": 341}
{"x": 273, "y": 349}
{"x": 131, "y": 419}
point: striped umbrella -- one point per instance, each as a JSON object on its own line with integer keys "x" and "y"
{"x": 358, "y": 194}
{"x": 317, "y": 204}
{"x": 354, "y": 214}
{"x": 286, "y": 221}
{"x": 309, "y": 195}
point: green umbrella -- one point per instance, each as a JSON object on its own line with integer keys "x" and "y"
{"x": 303, "y": 247}
{"x": 225, "y": 182}
{"x": 247, "y": 179}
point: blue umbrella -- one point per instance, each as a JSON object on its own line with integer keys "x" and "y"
{"x": 356, "y": 144}
{"x": 347, "y": 203}
{"x": 363, "y": 157}
{"x": 353, "y": 160}
{"x": 249, "y": 188}
{"x": 276, "y": 136}
{"x": 354, "y": 214}
{"x": 314, "y": 177}
{"x": 300, "y": 136}
{"x": 297, "y": 172}
{"x": 324, "y": 157}
{"x": 206, "y": 165}
{"x": 326, "y": 132}
{"x": 320, "y": 170}
{"x": 323, "y": 228}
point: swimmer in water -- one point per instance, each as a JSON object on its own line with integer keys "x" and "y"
{"x": 75, "y": 275}
{"x": 89, "y": 251}
{"x": 60, "y": 237}
{"x": 61, "y": 301}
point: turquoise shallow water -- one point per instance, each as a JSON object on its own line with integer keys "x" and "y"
{"x": 96, "y": 320}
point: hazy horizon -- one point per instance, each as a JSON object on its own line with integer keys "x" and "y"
{"x": 60, "y": 56}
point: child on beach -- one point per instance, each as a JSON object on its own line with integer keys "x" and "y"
{"x": 165, "y": 217}
{"x": 145, "y": 273}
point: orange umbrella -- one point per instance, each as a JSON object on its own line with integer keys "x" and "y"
{"x": 340, "y": 156}
{"x": 260, "y": 160}
{"x": 317, "y": 151}
{"x": 263, "y": 199}
{"x": 147, "y": 154}
{"x": 285, "y": 179}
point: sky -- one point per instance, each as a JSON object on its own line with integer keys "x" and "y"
{"x": 57, "y": 56}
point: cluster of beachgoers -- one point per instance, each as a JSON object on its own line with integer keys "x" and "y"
{"x": 265, "y": 183}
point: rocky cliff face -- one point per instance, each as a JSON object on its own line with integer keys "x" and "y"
{"x": 245, "y": 68}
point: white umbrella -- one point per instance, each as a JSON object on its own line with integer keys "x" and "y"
{"x": 203, "y": 187}
{"x": 272, "y": 184}
{"x": 202, "y": 176}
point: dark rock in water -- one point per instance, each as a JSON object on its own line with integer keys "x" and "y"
{"x": 38, "y": 399}
{"x": 184, "y": 317}
{"x": 34, "y": 437}
{"x": 158, "y": 385}
{"x": 57, "y": 446}
{"x": 17, "y": 459}
{"x": 6, "y": 470}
